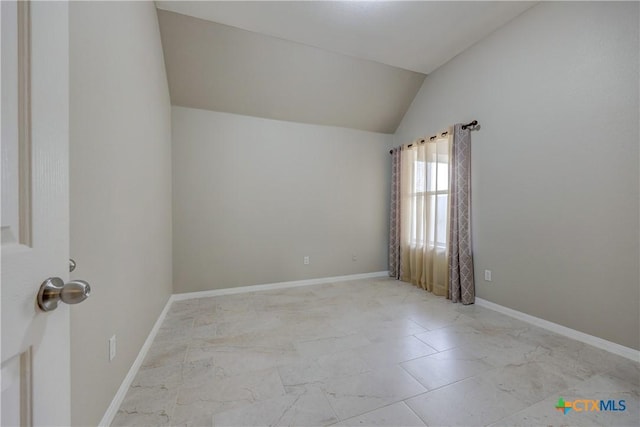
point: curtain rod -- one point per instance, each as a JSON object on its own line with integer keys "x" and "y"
{"x": 468, "y": 125}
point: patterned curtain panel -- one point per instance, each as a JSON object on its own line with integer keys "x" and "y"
{"x": 394, "y": 226}
{"x": 461, "y": 284}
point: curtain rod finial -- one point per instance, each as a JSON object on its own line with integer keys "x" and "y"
{"x": 473, "y": 123}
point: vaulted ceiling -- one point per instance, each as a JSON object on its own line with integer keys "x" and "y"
{"x": 350, "y": 64}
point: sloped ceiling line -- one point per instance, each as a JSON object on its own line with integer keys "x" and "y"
{"x": 216, "y": 67}
{"x": 350, "y": 64}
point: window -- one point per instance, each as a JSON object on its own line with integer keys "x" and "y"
{"x": 423, "y": 175}
{"x": 429, "y": 195}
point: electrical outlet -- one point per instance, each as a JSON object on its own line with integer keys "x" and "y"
{"x": 306, "y": 260}
{"x": 112, "y": 348}
{"x": 354, "y": 257}
{"x": 487, "y": 275}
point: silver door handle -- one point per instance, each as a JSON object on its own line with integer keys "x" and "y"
{"x": 54, "y": 290}
{"x": 72, "y": 265}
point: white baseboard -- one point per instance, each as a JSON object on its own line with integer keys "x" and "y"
{"x": 110, "y": 414}
{"x": 272, "y": 286}
{"x": 609, "y": 346}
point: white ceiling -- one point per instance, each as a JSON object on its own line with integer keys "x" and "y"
{"x": 351, "y": 64}
{"x": 418, "y": 35}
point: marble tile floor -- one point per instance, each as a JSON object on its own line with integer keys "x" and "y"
{"x": 375, "y": 352}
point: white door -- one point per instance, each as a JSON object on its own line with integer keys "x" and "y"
{"x": 35, "y": 211}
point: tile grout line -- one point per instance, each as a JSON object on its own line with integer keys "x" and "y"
{"x": 382, "y": 407}
{"x": 324, "y": 394}
{"x": 414, "y": 412}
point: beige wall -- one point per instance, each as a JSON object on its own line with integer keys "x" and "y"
{"x": 253, "y": 196}
{"x": 555, "y": 165}
{"x": 120, "y": 192}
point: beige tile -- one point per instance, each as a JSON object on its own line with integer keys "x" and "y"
{"x": 397, "y": 414}
{"x": 628, "y": 371}
{"x": 206, "y": 319}
{"x": 500, "y": 351}
{"x": 431, "y": 316}
{"x": 135, "y": 419}
{"x": 165, "y": 376}
{"x": 344, "y": 364}
{"x": 324, "y": 346}
{"x": 600, "y": 387}
{"x": 309, "y": 408}
{"x": 181, "y": 308}
{"x": 158, "y": 401}
{"x": 204, "y": 331}
{"x": 328, "y": 290}
{"x": 209, "y": 397}
{"x": 362, "y": 393}
{"x": 357, "y": 322}
{"x": 208, "y": 304}
{"x": 272, "y": 339}
{"x": 543, "y": 414}
{"x": 530, "y": 382}
{"x": 181, "y": 319}
{"x": 192, "y": 415}
{"x": 319, "y": 370}
{"x": 230, "y": 360}
{"x": 470, "y": 402}
{"x": 177, "y": 336}
{"x": 579, "y": 358}
{"x": 165, "y": 353}
{"x": 447, "y": 367}
{"x": 297, "y": 299}
{"x": 230, "y": 307}
{"x": 303, "y": 372}
{"x": 484, "y": 319}
{"x": 392, "y": 352}
{"x": 259, "y": 323}
{"x": 391, "y": 329}
{"x": 609, "y": 388}
{"x": 367, "y": 352}
{"x": 451, "y": 337}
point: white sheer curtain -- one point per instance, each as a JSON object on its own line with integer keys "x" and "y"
{"x": 424, "y": 210}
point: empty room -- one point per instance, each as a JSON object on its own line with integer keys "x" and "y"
{"x": 319, "y": 213}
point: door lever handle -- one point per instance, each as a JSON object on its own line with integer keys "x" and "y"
{"x": 54, "y": 290}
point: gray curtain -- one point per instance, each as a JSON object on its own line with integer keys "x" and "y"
{"x": 461, "y": 284}
{"x": 394, "y": 225}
